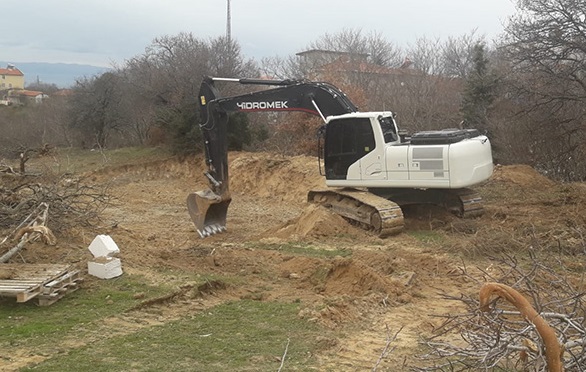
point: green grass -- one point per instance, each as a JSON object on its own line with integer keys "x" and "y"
{"x": 303, "y": 249}
{"x": 244, "y": 335}
{"x": 235, "y": 336}
{"x": 428, "y": 237}
{"x": 26, "y": 323}
{"x": 74, "y": 160}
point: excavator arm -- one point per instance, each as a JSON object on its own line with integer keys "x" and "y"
{"x": 208, "y": 208}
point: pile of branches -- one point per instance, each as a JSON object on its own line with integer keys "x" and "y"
{"x": 496, "y": 335}
{"x": 73, "y": 201}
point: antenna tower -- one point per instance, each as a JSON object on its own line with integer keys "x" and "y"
{"x": 228, "y": 23}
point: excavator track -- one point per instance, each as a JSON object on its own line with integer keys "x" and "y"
{"x": 373, "y": 212}
{"x": 466, "y": 203}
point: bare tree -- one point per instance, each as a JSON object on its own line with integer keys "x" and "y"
{"x": 350, "y": 44}
{"x": 458, "y": 54}
{"x": 546, "y": 48}
{"x": 95, "y": 107}
{"x": 426, "y": 54}
{"x": 283, "y": 68}
{"x": 379, "y": 50}
{"x": 162, "y": 84}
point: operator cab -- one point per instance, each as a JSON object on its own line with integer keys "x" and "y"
{"x": 355, "y": 136}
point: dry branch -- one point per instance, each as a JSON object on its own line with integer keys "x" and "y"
{"x": 503, "y": 338}
{"x": 73, "y": 200}
{"x": 30, "y": 228}
{"x": 387, "y": 349}
{"x": 284, "y": 355}
{"x": 553, "y": 350}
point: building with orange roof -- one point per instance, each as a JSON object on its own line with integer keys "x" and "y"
{"x": 11, "y": 78}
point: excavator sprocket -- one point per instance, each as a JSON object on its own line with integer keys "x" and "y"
{"x": 465, "y": 203}
{"x": 373, "y": 212}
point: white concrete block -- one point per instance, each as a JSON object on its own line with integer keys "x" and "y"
{"x": 103, "y": 246}
{"x": 105, "y": 267}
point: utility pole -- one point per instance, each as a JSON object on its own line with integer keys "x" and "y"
{"x": 228, "y": 24}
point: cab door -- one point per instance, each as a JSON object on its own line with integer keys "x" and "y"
{"x": 350, "y": 150}
{"x": 372, "y": 164}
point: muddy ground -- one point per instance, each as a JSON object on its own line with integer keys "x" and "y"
{"x": 383, "y": 286}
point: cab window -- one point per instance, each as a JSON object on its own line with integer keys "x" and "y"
{"x": 387, "y": 125}
{"x": 347, "y": 140}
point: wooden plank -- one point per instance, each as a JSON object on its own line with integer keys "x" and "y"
{"x": 24, "y": 296}
{"x": 66, "y": 277}
{"x": 46, "y": 300}
{"x": 22, "y": 271}
{"x": 20, "y": 286}
{"x": 17, "y": 289}
{"x": 8, "y": 283}
{"x": 47, "y": 283}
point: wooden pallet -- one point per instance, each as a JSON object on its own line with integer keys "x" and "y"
{"x": 46, "y": 283}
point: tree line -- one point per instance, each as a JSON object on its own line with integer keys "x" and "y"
{"x": 526, "y": 90}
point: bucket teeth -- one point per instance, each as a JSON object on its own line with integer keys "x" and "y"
{"x": 211, "y": 230}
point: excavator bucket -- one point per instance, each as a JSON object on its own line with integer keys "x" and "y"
{"x": 208, "y": 212}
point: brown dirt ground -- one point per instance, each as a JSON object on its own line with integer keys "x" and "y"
{"x": 384, "y": 285}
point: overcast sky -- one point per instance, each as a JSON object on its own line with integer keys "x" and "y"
{"x": 106, "y": 32}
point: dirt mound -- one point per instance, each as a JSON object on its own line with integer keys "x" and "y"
{"x": 522, "y": 175}
{"x": 275, "y": 176}
{"x": 351, "y": 277}
{"x": 350, "y": 285}
{"x": 314, "y": 222}
{"x": 341, "y": 276}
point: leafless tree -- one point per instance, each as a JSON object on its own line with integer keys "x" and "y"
{"x": 278, "y": 67}
{"x": 371, "y": 47}
{"x": 95, "y": 107}
{"x": 458, "y": 54}
{"x": 546, "y": 48}
{"x": 426, "y": 55}
{"x": 155, "y": 94}
{"x": 379, "y": 50}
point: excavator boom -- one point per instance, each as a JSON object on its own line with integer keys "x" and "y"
{"x": 208, "y": 208}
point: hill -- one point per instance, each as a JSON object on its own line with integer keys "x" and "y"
{"x": 61, "y": 74}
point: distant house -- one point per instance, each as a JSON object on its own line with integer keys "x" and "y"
{"x": 20, "y": 97}
{"x": 318, "y": 57}
{"x": 355, "y": 67}
{"x": 11, "y": 78}
{"x": 30, "y": 96}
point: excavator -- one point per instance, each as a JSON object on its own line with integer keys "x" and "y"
{"x": 371, "y": 167}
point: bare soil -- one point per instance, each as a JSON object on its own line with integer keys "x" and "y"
{"x": 384, "y": 286}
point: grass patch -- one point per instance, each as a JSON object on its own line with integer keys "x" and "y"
{"x": 74, "y": 160}
{"x": 303, "y": 249}
{"x": 26, "y": 323}
{"x": 235, "y": 336}
{"x": 428, "y": 236}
